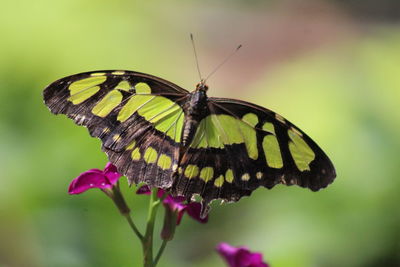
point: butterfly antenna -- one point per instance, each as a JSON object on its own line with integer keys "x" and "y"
{"x": 223, "y": 62}
{"x": 195, "y": 55}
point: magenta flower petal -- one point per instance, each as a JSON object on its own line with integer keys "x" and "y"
{"x": 110, "y": 168}
{"x": 179, "y": 217}
{"x": 254, "y": 259}
{"x": 177, "y": 199}
{"x": 193, "y": 209}
{"x": 174, "y": 203}
{"x": 111, "y": 172}
{"x": 160, "y": 193}
{"x": 240, "y": 257}
{"x": 95, "y": 178}
{"x": 143, "y": 190}
{"x": 87, "y": 180}
{"x": 146, "y": 190}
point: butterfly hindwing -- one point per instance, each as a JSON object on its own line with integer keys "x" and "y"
{"x": 248, "y": 146}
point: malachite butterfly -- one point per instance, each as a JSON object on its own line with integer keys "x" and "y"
{"x": 159, "y": 133}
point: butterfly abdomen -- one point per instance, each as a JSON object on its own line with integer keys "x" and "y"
{"x": 195, "y": 110}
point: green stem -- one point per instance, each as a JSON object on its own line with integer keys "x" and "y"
{"x": 120, "y": 202}
{"x": 133, "y": 226}
{"x": 160, "y": 252}
{"x": 147, "y": 242}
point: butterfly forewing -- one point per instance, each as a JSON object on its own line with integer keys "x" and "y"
{"x": 138, "y": 118}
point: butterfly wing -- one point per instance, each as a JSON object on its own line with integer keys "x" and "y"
{"x": 241, "y": 146}
{"x": 236, "y": 148}
{"x": 138, "y": 117}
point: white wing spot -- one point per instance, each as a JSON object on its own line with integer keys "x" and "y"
{"x": 80, "y": 119}
{"x": 245, "y": 177}
{"x": 174, "y": 167}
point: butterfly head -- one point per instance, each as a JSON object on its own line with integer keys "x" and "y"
{"x": 202, "y": 86}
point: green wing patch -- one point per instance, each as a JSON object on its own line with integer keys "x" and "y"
{"x": 216, "y": 131}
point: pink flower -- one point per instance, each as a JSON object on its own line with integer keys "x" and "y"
{"x": 175, "y": 204}
{"x": 95, "y": 178}
{"x": 240, "y": 256}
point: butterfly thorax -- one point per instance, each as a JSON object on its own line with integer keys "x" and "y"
{"x": 195, "y": 109}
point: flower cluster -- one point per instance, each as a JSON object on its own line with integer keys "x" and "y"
{"x": 107, "y": 178}
{"x": 175, "y": 208}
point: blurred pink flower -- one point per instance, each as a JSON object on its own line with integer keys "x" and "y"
{"x": 175, "y": 204}
{"x": 240, "y": 256}
{"x": 95, "y": 178}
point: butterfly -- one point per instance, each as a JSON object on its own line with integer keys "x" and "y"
{"x": 186, "y": 142}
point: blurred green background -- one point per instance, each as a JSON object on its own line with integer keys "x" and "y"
{"x": 330, "y": 67}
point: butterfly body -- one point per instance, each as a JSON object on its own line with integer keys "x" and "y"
{"x": 159, "y": 133}
{"x": 195, "y": 109}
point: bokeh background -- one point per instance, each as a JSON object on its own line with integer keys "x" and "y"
{"x": 331, "y": 67}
